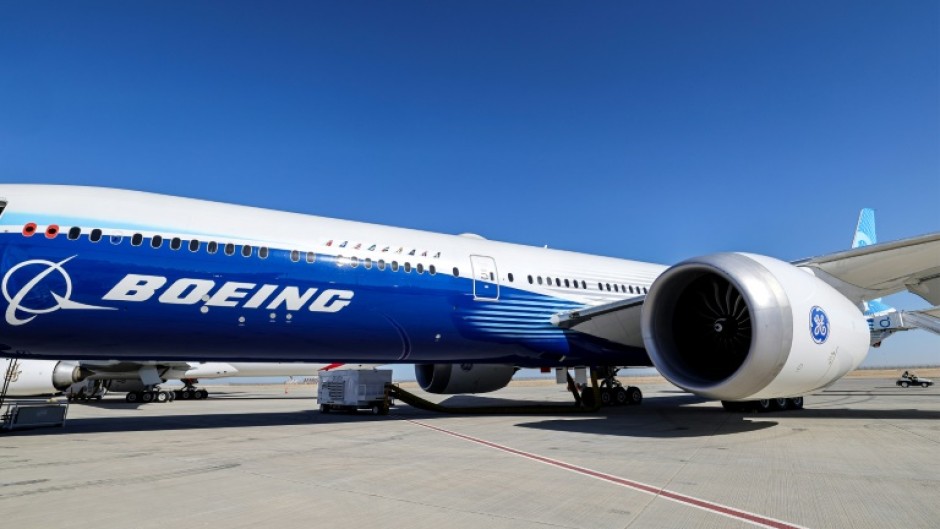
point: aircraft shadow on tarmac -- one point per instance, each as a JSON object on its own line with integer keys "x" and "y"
{"x": 675, "y": 415}
{"x": 86, "y": 425}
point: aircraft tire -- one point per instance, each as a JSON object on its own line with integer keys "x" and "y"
{"x": 763, "y": 405}
{"x": 634, "y": 396}
{"x": 147, "y": 396}
{"x": 607, "y": 397}
{"x": 621, "y": 397}
{"x": 132, "y": 397}
{"x": 796, "y": 403}
{"x": 161, "y": 396}
{"x": 779, "y": 404}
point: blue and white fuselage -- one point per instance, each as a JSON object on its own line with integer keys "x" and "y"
{"x": 140, "y": 276}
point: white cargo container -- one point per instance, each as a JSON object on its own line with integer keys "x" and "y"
{"x": 354, "y": 389}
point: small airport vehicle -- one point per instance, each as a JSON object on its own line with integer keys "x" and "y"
{"x": 355, "y": 389}
{"x": 910, "y": 379}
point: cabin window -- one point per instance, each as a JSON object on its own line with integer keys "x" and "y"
{"x": 530, "y": 279}
{"x": 407, "y": 268}
{"x": 456, "y": 272}
{"x": 263, "y": 252}
{"x": 212, "y": 247}
{"x": 294, "y": 255}
{"x": 75, "y": 233}
{"x": 540, "y": 279}
{"x": 394, "y": 266}
{"x": 382, "y": 264}
{"x": 136, "y": 239}
{"x": 117, "y": 238}
{"x": 176, "y": 243}
{"x": 419, "y": 268}
{"x": 510, "y": 277}
{"x": 432, "y": 270}
{"x": 311, "y": 257}
{"x": 567, "y": 285}
{"x": 229, "y": 248}
{"x": 583, "y": 285}
{"x": 367, "y": 262}
{"x": 193, "y": 245}
{"x": 246, "y": 250}
{"x": 156, "y": 241}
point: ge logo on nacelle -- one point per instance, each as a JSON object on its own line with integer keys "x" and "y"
{"x": 818, "y": 325}
{"x": 59, "y": 301}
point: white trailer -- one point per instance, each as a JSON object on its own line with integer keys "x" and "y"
{"x": 355, "y": 389}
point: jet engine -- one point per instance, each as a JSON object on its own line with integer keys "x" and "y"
{"x": 450, "y": 379}
{"x": 735, "y": 326}
{"x": 40, "y": 377}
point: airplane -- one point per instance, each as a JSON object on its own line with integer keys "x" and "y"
{"x": 88, "y": 380}
{"x": 106, "y": 274}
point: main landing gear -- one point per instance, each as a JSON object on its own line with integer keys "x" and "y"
{"x": 153, "y": 394}
{"x": 190, "y": 391}
{"x": 610, "y": 391}
{"x": 764, "y": 405}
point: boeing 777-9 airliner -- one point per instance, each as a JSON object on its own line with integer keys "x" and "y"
{"x": 105, "y": 274}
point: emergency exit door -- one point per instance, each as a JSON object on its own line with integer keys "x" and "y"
{"x": 485, "y": 278}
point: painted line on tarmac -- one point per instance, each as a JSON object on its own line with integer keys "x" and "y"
{"x": 705, "y": 505}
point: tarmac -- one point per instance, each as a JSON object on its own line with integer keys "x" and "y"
{"x": 864, "y": 453}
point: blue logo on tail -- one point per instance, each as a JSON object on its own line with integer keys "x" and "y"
{"x": 818, "y": 325}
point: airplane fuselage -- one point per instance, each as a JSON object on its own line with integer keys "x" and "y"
{"x": 93, "y": 273}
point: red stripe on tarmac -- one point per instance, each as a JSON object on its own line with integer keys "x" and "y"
{"x": 706, "y": 505}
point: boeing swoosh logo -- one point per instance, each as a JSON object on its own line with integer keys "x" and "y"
{"x": 63, "y": 301}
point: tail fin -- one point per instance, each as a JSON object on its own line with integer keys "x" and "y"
{"x": 865, "y": 230}
{"x": 864, "y": 236}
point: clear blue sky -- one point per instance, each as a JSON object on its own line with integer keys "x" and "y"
{"x": 647, "y": 130}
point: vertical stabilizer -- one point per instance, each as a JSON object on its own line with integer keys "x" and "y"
{"x": 865, "y": 236}
{"x": 865, "y": 230}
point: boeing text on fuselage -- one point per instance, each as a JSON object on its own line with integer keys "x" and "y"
{"x": 135, "y": 288}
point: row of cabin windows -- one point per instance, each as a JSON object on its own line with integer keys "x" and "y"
{"x": 176, "y": 243}
{"x": 246, "y": 250}
{"x": 367, "y": 263}
{"x": 574, "y": 283}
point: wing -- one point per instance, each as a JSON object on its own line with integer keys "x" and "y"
{"x": 148, "y": 372}
{"x": 873, "y": 271}
{"x": 618, "y": 322}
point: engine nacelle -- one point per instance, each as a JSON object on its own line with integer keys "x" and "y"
{"x": 450, "y": 379}
{"x": 735, "y": 326}
{"x": 40, "y": 377}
